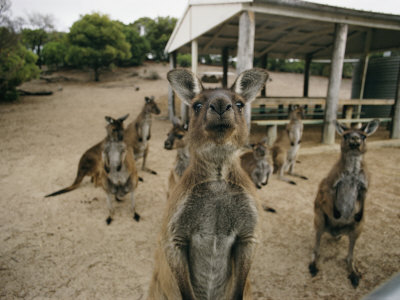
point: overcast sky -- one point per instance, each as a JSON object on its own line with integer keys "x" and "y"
{"x": 66, "y": 12}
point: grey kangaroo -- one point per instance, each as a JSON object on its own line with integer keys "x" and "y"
{"x": 176, "y": 140}
{"x": 340, "y": 201}
{"x": 119, "y": 176}
{"x": 284, "y": 151}
{"x": 210, "y": 229}
{"x": 90, "y": 162}
{"x": 138, "y": 133}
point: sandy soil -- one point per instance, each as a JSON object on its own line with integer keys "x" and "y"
{"x": 61, "y": 247}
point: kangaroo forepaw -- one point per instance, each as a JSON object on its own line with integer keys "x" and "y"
{"x": 136, "y": 217}
{"x": 355, "y": 279}
{"x": 313, "y": 269}
{"x": 258, "y": 186}
{"x": 153, "y": 172}
{"x": 304, "y": 177}
{"x": 140, "y": 179}
{"x": 109, "y": 220}
{"x": 292, "y": 182}
{"x": 358, "y": 216}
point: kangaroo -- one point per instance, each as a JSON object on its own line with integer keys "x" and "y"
{"x": 256, "y": 164}
{"x": 210, "y": 230}
{"x": 176, "y": 140}
{"x": 137, "y": 133}
{"x": 90, "y": 162}
{"x": 119, "y": 176}
{"x": 340, "y": 201}
{"x": 284, "y": 150}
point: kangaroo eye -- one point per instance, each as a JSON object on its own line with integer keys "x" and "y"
{"x": 197, "y": 106}
{"x": 239, "y": 105}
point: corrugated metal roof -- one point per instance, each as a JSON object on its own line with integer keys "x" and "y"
{"x": 284, "y": 28}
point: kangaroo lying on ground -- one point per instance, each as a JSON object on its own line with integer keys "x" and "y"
{"x": 119, "y": 176}
{"x": 256, "y": 163}
{"x": 137, "y": 133}
{"x": 209, "y": 233}
{"x": 339, "y": 205}
{"x": 90, "y": 162}
{"x": 176, "y": 140}
{"x": 284, "y": 151}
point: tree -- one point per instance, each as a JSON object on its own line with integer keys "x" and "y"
{"x": 157, "y": 32}
{"x": 54, "y": 54}
{"x": 17, "y": 64}
{"x": 36, "y": 34}
{"x": 140, "y": 47}
{"x": 96, "y": 42}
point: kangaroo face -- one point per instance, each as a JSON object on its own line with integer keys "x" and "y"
{"x": 296, "y": 112}
{"x": 151, "y": 106}
{"x": 115, "y": 128}
{"x": 217, "y": 115}
{"x": 175, "y": 137}
{"x": 354, "y": 140}
{"x": 260, "y": 150}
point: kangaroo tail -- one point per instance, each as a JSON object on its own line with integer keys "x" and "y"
{"x": 65, "y": 190}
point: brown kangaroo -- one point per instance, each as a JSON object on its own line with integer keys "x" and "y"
{"x": 284, "y": 150}
{"x": 176, "y": 140}
{"x": 119, "y": 176}
{"x": 339, "y": 205}
{"x": 256, "y": 163}
{"x": 90, "y": 162}
{"x": 210, "y": 230}
{"x": 137, "y": 133}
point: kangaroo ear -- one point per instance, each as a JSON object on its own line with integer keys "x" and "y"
{"x": 123, "y": 118}
{"x": 109, "y": 119}
{"x": 370, "y": 127}
{"x": 185, "y": 84}
{"x": 249, "y": 83}
{"x": 340, "y": 128}
{"x": 147, "y": 99}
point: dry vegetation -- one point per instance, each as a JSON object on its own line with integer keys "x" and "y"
{"x": 61, "y": 248}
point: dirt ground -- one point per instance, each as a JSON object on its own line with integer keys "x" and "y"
{"x": 61, "y": 247}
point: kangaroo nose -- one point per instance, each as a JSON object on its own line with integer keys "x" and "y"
{"x": 168, "y": 145}
{"x": 220, "y": 106}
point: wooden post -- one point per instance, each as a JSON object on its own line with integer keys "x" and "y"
{"x": 365, "y": 62}
{"x": 171, "y": 95}
{"x": 335, "y": 79}
{"x": 264, "y": 64}
{"x": 395, "y": 132}
{"x": 306, "y": 82}
{"x": 245, "y": 51}
{"x": 225, "y": 57}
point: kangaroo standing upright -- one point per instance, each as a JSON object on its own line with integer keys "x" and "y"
{"x": 90, "y": 162}
{"x": 176, "y": 140}
{"x": 339, "y": 205}
{"x": 284, "y": 151}
{"x": 119, "y": 176}
{"x": 137, "y": 133}
{"x": 209, "y": 232}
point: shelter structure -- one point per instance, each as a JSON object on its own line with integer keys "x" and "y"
{"x": 286, "y": 29}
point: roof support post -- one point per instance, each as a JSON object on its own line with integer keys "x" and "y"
{"x": 264, "y": 64}
{"x": 171, "y": 95}
{"x": 335, "y": 79}
{"x": 395, "y": 132}
{"x": 245, "y": 53}
{"x": 306, "y": 82}
{"x": 225, "y": 56}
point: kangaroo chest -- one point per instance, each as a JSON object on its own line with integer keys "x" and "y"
{"x": 212, "y": 220}
{"x": 119, "y": 186}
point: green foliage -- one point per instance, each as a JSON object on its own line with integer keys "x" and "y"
{"x": 17, "y": 65}
{"x": 54, "y": 54}
{"x": 184, "y": 60}
{"x": 96, "y": 42}
{"x": 157, "y": 32}
{"x": 34, "y": 39}
{"x": 140, "y": 47}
